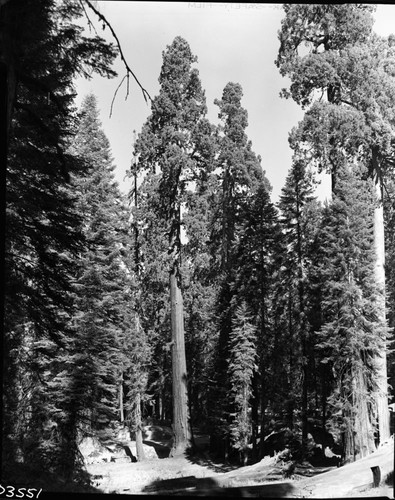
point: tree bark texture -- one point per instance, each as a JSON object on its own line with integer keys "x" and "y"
{"x": 358, "y": 436}
{"x": 363, "y": 428}
{"x": 181, "y": 429}
{"x": 139, "y": 432}
{"x": 382, "y": 397}
{"x": 262, "y": 419}
{"x": 254, "y": 418}
{"x": 121, "y": 409}
{"x": 382, "y": 381}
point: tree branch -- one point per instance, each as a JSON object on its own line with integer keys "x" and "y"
{"x": 128, "y": 69}
{"x": 115, "y": 94}
{"x": 90, "y": 24}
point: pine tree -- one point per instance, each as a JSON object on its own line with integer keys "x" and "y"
{"x": 353, "y": 329}
{"x": 101, "y": 281}
{"x": 240, "y": 175}
{"x": 241, "y": 366}
{"x": 255, "y": 247}
{"x": 43, "y": 227}
{"x": 292, "y": 294}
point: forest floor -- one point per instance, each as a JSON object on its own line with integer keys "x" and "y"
{"x": 199, "y": 476}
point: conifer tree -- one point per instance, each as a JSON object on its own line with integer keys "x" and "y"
{"x": 349, "y": 65}
{"x": 200, "y": 288}
{"x": 135, "y": 363}
{"x": 255, "y": 263}
{"x": 389, "y": 219}
{"x": 101, "y": 287}
{"x": 240, "y": 175}
{"x": 137, "y": 349}
{"x": 293, "y": 283}
{"x": 241, "y": 367}
{"x": 43, "y": 227}
{"x": 353, "y": 329}
{"x": 171, "y": 143}
{"x": 153, "y": 300}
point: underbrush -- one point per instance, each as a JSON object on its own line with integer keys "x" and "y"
{"x": 20, "y": 475}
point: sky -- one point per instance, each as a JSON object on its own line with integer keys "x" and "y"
{"x": 234, "y": 42}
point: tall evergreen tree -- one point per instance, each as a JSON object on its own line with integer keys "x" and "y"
{"x": 389, "y": 218}
{"x": 170, "y": 142}
{"x": 255, "y": 264}
{"x": 136, "y": 361}
{"x": 42, "y": 49}
{"x": 241, "y": 367}
{"x": 292, "y": 293}
{"x": 153, "y": 302}
{"x": 240, "y": 175}
{"x": 200, "y": 289}
{"x": 355, "y": 123}
{"x": 101, "y": 284}
{"x": 353, "y": 330}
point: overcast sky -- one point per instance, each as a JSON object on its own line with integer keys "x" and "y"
{"x": 234, "y": 42}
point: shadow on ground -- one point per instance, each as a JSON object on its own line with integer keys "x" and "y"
{"x": 161, "y": 450}
{"x": 199, "y": 457}
{"x": 207, "y": 486}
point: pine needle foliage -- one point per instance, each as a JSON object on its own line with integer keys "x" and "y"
{"x": 43, "y": 49}
{"x": 240, "y": 174}
{"x": 102, "y": 285}
{"x": 241, "y": 368}
{"x": 292, "y": 290}
{"x": 353, "y": 330}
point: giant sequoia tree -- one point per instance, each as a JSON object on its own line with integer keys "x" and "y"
{"x": 389, "y": 218}
{"x": 170, "y": 144}
{"x": 150, "y": 232}
{"x": 351, "y": 67}
{"x": 353, "y": 327}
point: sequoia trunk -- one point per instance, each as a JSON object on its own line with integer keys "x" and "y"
{"x": 382, "y": 397}
{"x": 181, "y": 430}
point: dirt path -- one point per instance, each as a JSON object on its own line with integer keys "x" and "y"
{"x": 132, "y": 478}
{"x": 184, "y": 476}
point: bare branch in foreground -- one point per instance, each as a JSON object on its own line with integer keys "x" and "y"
{"x": 128, "y": 69}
